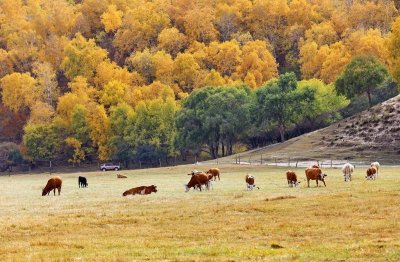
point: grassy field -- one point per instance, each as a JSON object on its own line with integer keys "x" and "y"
{"x": 356, "y": 221}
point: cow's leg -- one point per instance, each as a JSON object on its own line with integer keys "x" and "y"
{"x": 316, "y": 181}
{"x": 308, "y": 182}
{"x": 324, "y": 182}
{"x": 219, "y": 178}
{"x": 59, "y": 190}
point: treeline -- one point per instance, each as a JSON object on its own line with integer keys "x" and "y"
{"x": 126, "y": 80}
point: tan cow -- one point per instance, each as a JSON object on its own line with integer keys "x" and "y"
{"x": 347, "y": 171}
{"x": 121, "y": 176}
{"x": 52, "y": 184}
{"x": 141, "y": 190}
{"x": 197, "y": 181}
{"x": 315, "y": 174}
{"x": 376, "y": 165}
{"x": 214, "y": 172}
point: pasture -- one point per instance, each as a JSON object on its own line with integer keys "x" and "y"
{"x": 354, "y": 221}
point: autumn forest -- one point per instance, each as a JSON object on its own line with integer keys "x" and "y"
{"x": 146, "y": 80}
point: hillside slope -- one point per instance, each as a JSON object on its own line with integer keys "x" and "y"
{"x": 373, "y": 134}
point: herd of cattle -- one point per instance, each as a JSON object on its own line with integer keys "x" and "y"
{"x": 200, "y": 179}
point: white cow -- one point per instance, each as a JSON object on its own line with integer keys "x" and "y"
{"x": 347, "y": 170}
{"x": 376, "y": 165}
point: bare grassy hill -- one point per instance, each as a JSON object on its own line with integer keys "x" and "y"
{"x": 373, "y": 134}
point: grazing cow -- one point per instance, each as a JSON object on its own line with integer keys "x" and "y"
{"x": 371, "y": 173}
{"x": 376, "y": 165}
{"x": 347, "y": 170}
{"x": 250, "y": 182}
{"x": 292, "y": 178}
{"x": 197, "y": 180}
{"x": 121, "y": 176}
{"x": 315, "y": 174}
{"x": 82, "y": 181}
{"x": 141, "y": 190}
{"x": 53, "y": 184}
{"x": 214, "y": 172}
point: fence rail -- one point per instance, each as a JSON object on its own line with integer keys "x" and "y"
{"x": 291, "y": 161}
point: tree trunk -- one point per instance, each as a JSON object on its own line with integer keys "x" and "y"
{"x": 369, "y": 99}
{"x": 223, "y": 149}
{"x": 282, "y": 132}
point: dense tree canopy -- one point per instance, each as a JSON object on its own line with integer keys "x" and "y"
{"x": 83, "y": 66}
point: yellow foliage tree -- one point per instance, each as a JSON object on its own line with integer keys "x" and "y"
{"x": 41, "y": 114}
{"x": 111, "y": 19}
{"x": 224, "y": 57}
{"x": 199, "y": 25}
{"x": 78, "y": 154}
{"x": 186, "y": 71}
{"x": 82, "y": 57}
{"x": 369, "y": 43}
{"x": 257, "y": 59}
{"x": 20, "y": 91}
{"x": 113, "y": 93}
{"x": 99, "y": 127}
{"x": 172, "y": 41}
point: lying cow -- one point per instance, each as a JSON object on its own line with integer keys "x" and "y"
{"x": 214, "y": 172}
{"x": 141, "y": 190}
{"x": 315, "y": 174}
{"x": 121, "y": 176}
{"x": 292, "y": 178}
{"x": 82, "y": 181}
{"x": 250, "y": 182}
{"x": 371, "y": 173}
{"x": 197, "y": 181}
{"x": 52, "y": 184}
{"x": 376, "y": 165}
{"x": 347, "y": 171}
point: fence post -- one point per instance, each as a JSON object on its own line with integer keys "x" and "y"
{"x": 275, "y": 161}
{"x": 140, "y": 164}
{"x": 159, "y": 160}
{"x": 261, "y": 160}
{"x": 297, "y": 161}
{"x": 239, "y": 159}
{"x": 250, "y": 160}
{"x": 331, "y": 163}
{"x": 289, "y": 161}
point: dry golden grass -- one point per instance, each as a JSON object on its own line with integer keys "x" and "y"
{"x": 357, "y": 221}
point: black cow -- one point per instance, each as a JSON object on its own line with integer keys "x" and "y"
{"x": 82, "y": 181}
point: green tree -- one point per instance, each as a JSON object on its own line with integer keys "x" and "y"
{"x": 42, "y": 142}
{"x": 215, "y": 116}
{"x": 280, "y": 103}
{"x": 122, "y": 119}
{"x": 362, "y": 75}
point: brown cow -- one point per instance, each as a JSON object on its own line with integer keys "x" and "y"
{"x": 214, "y": 172}
{"x": 292, "y": 178}
{"x": 121, "y": 176}
{"x": 371, "y": 173}
{"x": 141, "y": 190}
{"x": 197, "y": 180}
{"x": 315, "y": 174}
{"x": 250, "y": 182}
{"x": 53, "y": 184}
{"x": 376, "y": 165}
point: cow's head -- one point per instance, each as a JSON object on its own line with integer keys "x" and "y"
{"x": 153, "y": 188}
{"x": 187, "y": 188}
{"x": 322, "y": 176}
{"x": 44, "y": 192}
{"x": 295, "y": 183}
